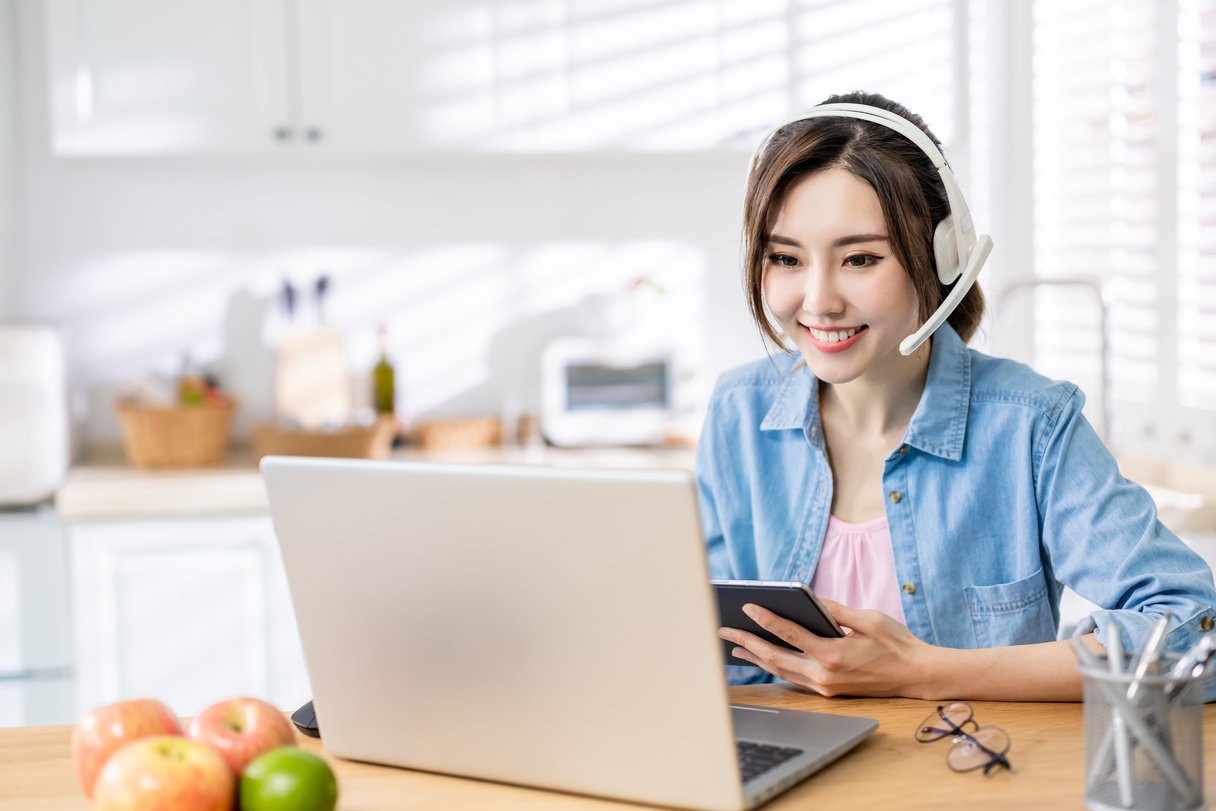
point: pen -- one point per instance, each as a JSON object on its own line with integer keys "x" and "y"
{"x": 1123, "y": 761}
{"x": 1192, "y": 663}
{"x": 1151, "y": 653}
{"x": 1148, "y": 656}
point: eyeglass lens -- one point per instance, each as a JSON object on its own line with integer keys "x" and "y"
{"x": 946, "y": 721}
{"x": 978, "y": 749}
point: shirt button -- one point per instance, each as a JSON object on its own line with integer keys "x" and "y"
{"x": 903, "y": 449}
{"x": 1206, "y": 624}
{"x": 895, "y": 496}
{"x": 909, "y": 587}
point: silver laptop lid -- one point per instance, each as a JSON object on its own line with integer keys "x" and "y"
{"x": 545, "y": 627}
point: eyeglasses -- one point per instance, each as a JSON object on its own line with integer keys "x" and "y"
{"x": 983, "y": 746}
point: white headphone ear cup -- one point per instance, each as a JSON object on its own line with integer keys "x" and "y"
{"x": 945, "y": 251}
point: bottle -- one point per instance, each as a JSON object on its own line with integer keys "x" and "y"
{"x": 384, "y": 389}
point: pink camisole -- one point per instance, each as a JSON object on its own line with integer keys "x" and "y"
{"x": 857, "y": 567}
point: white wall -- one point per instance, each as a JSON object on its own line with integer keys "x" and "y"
{"x": 8, "y": 158}
{"x": 146, "y": 257}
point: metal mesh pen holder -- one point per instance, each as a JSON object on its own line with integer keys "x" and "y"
{"x": 1143, "y": 751}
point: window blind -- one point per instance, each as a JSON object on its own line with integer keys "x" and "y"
{"x": 1196, "y": 326}
{"x": 1095, "y": 100}
{"x": 1125, "y": 194}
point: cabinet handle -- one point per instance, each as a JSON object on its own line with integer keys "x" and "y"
{"x": 282, "y": 134}
{"x": 313, "y": 134}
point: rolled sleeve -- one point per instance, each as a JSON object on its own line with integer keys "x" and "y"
{"x": 1104, "y": 540}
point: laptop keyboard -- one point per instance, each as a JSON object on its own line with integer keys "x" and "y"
{"x": 757, "y": 758}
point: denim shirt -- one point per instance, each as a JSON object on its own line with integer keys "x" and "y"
{"x": 1000, "y": 494}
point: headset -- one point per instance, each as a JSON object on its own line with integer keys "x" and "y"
{"x": 958, "y": 253}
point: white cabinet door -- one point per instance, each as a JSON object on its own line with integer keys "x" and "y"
{"x": 187, "y": 611}
{"x": 151, "y": 76}
{"x": 386, "y": 75}
{"x": 359, "y": 66}
{"x": 35, "y": 623}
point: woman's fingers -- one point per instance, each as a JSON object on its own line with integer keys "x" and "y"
{"x": 800, "y": 679}
{"x": 790, "y": 632}
{"x": 762, "y": 649}
{"x": 822, "y": 650}
{"x": 880, "y": 652}
{"x": 800, "y": 668}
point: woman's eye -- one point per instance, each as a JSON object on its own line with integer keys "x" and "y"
{"x": 860, "y": 260}
{"x": 784, "y": 260}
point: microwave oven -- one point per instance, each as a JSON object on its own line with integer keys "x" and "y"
{"x": 599, "y": 392}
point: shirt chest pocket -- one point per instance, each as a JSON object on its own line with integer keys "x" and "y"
{"x": 1016, "y": 613}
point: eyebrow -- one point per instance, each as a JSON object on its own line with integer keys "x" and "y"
{"x": 840, "y": 243}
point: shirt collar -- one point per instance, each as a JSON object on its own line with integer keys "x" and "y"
{"x": 939, "y": 423}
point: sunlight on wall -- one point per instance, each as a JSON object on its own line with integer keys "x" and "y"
{"x": 135, "y": 313}
{"x": 554, "y": 75}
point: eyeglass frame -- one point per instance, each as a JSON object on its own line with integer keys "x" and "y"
{"x": 959, "y": 734}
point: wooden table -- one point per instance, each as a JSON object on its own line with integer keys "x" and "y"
{"x": 888, "y": 770}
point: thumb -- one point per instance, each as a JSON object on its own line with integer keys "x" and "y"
{"x": 845, "y": 616}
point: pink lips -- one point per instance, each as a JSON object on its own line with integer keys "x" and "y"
{"x": 839, "y": 346}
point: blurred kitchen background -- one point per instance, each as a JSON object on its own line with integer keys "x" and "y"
{"x": 530, "y": 210}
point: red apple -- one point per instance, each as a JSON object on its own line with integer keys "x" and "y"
{"x": 240, "y": 729}
{"x": 107, "y": 729}
{"x": 165, "y": 773}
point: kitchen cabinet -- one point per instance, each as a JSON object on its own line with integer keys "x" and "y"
{"x": 147, "y": 77}
{"x": 219, "y": 76}
{"x": 36, "y": 685}
{"x": 131, "y": 77}
{"x": 187, "y": 610}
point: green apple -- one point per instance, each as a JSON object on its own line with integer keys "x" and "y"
{"x": 288, "y": 779}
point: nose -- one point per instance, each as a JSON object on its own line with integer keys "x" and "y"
{"x": 821, "y": 294}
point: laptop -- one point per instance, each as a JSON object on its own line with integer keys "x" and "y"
{"x": 545, "y": 627}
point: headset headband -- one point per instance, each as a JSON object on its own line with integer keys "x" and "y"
{"x": 956, "y": 248}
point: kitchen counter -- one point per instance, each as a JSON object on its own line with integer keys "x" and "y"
{"x": 105, "y": 487}
{"x": 1185, "y": 494}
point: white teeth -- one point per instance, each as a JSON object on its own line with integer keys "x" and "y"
{"x": 832, "y": 337}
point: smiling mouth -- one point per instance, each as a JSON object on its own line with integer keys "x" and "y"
{"x": 833, "y": 336}
{"x": 835, "y": 340}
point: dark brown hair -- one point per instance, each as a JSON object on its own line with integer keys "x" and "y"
{"x": 908, "y": 186}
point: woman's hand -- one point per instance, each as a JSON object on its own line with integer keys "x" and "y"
{"x": 878, "y": 656}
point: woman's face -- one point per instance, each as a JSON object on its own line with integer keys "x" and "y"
{"x": 831, "y": 280}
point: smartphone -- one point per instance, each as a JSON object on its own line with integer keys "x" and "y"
{"x": 793, "y": 601}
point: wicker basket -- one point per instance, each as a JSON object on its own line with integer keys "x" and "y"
{"x": 352, "y": 441}
{"x": 451, "y": 434}
{"x": 176, "y": 436}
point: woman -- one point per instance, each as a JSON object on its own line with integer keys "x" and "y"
{"x": 937, "y": 501}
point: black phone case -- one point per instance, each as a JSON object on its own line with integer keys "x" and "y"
{"x": 790, "y": 602}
